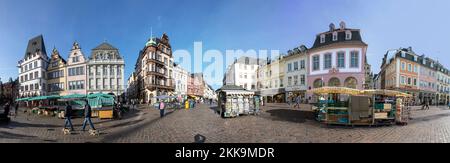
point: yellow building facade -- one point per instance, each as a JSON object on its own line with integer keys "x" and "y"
{"x": 56, "y": 75}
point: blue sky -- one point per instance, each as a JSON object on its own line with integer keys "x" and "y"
{"x": 220, "y": 24}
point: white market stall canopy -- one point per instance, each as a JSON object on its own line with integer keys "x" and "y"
{"x": 239, "y": 93}
{"x": 234, "y": 90}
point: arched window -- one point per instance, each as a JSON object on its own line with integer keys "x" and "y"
{"x": 351, "y": 82}
{"x": 318, "y": 83}
{"x": 334, "y": 82}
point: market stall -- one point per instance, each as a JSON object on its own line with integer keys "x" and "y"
{"x": 102, "y": 105}
{"x": 77, "y": 103}
{"x": 235, "y": 101}
{"x": 44, "y": 105}
{"x": 334, "y": 104}
{"x": 390, "y": 106}
{"x": 345, "y": 106}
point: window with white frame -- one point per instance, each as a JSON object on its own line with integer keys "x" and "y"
{"x": 403, "y": 66}
{"x": 335, "y": 36}
{"x": 295, "y": 66}
{"x": 354, "y": 59}
{"x": 327, "y": 61}
{"x": 295, "y": 80}
{"x": 322, "y": 38}
{"x": 302, "y": 64}
{"x": 316, "y": 62}
{"x": 341, "y": 60}
{"x": 289, "y": 81}
{"x": 348, "y": 35}
{"x": 302, "y": 79}
{"x": 289, "y": 67}
{"x": 409, "y": 67}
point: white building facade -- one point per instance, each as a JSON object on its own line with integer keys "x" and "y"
{"x": 180, "y": 77}
{"x": 105, "y": 70}
{"x": 209, "y": 92}
{"x": 243, "y": 73}
{"x": 295, "y": 67}
{"x": 32, "y": 69}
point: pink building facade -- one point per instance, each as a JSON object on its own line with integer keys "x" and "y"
{"x": 337, "y": 59}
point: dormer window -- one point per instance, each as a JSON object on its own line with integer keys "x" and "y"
{"x": 403, "y": 54}
{"x": 415, "y": 58}
{"x": 348, "y": 35}
{"x": 335, "y": 36}
{"x": 322, "y": 38}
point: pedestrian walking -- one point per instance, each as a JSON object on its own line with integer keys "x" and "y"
{"x": 87, "y": 116}
{"x": 68, "y": 116}
{"x": 262, "y": 101}
{"x": 16, "y": 109}
{"x": 427, "y": 105}
{"x": 257, "y": 107}
{"x": 161, "y": 108}
{"x": 430, "y": 103}
{"x": 297, "y": 101}
{"x": 289, "y": 100}
{"x": 6, "y": 110}
{"x": 424, "y": 104}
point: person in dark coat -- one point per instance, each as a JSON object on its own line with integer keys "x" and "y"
{"x": 87, "y": 116}
{"x": 6, "y": 111}
{"x": 16, "y": 109}
{"x": 68, "y": 115}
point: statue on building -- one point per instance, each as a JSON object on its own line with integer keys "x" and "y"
{"x": 342, "y": 25}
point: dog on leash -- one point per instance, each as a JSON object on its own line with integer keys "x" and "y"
{"x": 94, "y": 132}
{"x": 66, "y": 131}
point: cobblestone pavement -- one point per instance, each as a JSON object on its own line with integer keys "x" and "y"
{"x": 278, "y": 123}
